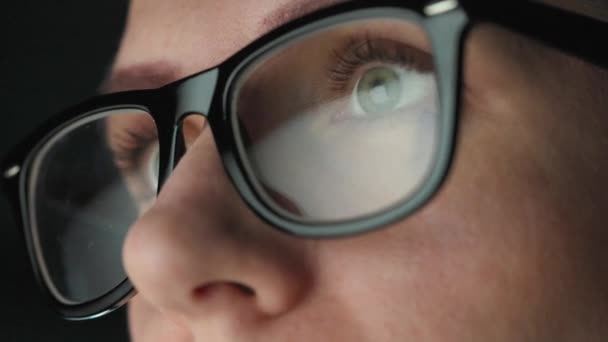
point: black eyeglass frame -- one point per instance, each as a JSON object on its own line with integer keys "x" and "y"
{"x": 446, "y": 23}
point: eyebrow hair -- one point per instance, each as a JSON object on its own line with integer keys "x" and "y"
{"x": 139, "y": 76}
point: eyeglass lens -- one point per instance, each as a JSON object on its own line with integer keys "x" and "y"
{"x": 343, "y": 122}
{"x": 88, "y": 184}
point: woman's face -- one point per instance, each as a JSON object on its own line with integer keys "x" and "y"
{"x": 512, "y": 248}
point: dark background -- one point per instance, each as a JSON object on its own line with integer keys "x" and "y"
{"x": 52, "y": 55}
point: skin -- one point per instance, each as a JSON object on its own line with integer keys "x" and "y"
{"x": 512, "y": 248}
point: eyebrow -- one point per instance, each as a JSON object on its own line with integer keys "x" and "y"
{"x": 139, "y": 76}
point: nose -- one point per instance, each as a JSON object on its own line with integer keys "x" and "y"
{"x": 199, "y": 252}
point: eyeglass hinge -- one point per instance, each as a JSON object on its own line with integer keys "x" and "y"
{"x": 440, "y": 7}
{"x": 12, "y": 171}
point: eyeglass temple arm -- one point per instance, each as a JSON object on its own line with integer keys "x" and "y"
{"x": 569, "y": 32}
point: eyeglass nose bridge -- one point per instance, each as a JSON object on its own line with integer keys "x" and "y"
{"x": 195, "y": 94}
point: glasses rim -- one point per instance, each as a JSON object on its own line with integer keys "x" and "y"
{"x": 452, "y": 24}
{"x": 33, "y": 169}
{"x": 326, "y": 227}
{"x": 114, "y": 297}
{"x": 446, "y": 66}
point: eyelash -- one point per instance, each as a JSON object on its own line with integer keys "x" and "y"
{"x": 360, "y": 51}
{"x": 346, "y": 60}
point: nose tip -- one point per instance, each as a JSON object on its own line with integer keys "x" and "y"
{"x": 198, "y": 251}
{"x": 205, "y": 274}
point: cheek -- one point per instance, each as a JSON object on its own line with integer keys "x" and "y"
{"x": 501, "y": 253}
{"x": 437, "y": 283}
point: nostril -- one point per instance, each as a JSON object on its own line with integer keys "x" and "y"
{"x": 215, "y": 288}
{"x": 245, "y": 289}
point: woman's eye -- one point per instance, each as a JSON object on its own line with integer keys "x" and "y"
{"x": 133, "y": 143}
{"x": 377, "y": 91}
{"x": 384, "y": 89}
{"x": 145, "y": 167}
{"x": 378, "y": 77}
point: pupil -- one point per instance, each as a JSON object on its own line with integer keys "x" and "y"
{"x": 377, "y": 82}
{"x": 379, "y": 90}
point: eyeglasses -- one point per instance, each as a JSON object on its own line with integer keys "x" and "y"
{"x": 337, "y": 123}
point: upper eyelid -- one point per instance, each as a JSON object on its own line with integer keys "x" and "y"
{"x": 386, "y": 50}
{"x": 363, "y": 50}
{"x": 396, "y": 34}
